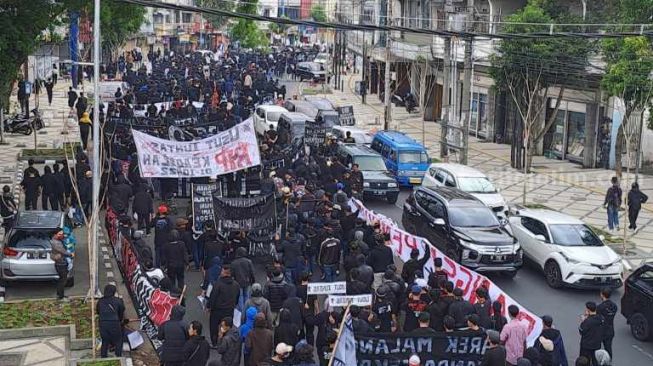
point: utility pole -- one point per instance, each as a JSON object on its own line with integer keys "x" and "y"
{"x": 386, "y": 102}
{"x": 446, "y": 105}
{"x": 465, "y": 108}
{"x": 365, "y": 71}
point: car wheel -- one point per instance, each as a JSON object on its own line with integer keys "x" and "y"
{"x": 392, "y": 198}
{"x": 639, "y": 327}
{"x": 70, "y": 282}
{"x": 553, "y": 274}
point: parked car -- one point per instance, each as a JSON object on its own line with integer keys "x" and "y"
{"x": 320, "y": 103}
{"x": 377, "y": 181}
{"x": 466, "y": 179}
{"x": 311, "y": 71}
{"x": 566, "y": 249}
{"x": 404, "y": 157}
{"x": 266, "y": 116}
{"x": 26, "y": 248}
{"x": 360, "y": 135}
{"x": 637, "y": 302}
{"x": 464, "y": 228}
{"x": 328, "y": 117}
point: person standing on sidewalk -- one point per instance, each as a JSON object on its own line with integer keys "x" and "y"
{"x": 58, "y": 256}
{"x": 31, "y": 183}
{"x": 635, "y": 200}
{"x": 8, "y": 208}
{"x": 84, "y": 128}
{"x": 72, "y": 98}
{"x": 613, "y": 202}
{"x": 49, "y": 85}
{"x": 111, "y": 312}
{"x": 82, "y": 104}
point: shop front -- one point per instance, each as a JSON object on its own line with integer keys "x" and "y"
{"x": 566, "y": 139}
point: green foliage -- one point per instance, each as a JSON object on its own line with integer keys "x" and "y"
{"x": 247, "y": 31}
{"x": 217, "y": 20}
{"x": 118, "y": 21}
{"x": 628, "y": 71}
{"x": 318, "y": 13}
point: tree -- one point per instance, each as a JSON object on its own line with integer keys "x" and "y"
{"x": 628, "y": 71}
{"x": 217, "y": 21}
{"x": 318, "y": 13}
{"x": 22, "y": 23}
{"x": 528, "y": 68}
{"x": 247, "y": 31}
{"x": 118, "y": 21}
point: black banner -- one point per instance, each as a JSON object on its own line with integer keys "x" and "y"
{"x": 203, "y": 204}
{"x": 346, "y": 115}
{"x": 252, "y": 213}
{"x": 261, "y": 243}
{"x": 314, "y": 135}
{"x": 274, "y": 164}
{"x": 441, "y": 349}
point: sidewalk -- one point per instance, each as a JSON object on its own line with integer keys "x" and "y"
{"x": 557, "y": 184}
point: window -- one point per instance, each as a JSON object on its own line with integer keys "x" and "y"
{"x": 431, "y": 205}
{"x": 645, "y": 278}
{"x": 479, "y": 114}
{"x": 441, "y": 176}
{"x": 386, "y": 151}
{"x": 433, "y": 172}
{"x": 472, "y": 217}
{"x": 186, "y": 17}
{"x": 450, "y": 182}
{"x": 534, "y": 226}
{"x": 476, "y": 185}
{"x": 377, "y": 146}
{"x": 413, "y": 157}
{"x": 261, "y": 113}
{"x": 370, "y": 163}
{"x": 574, "y": 235}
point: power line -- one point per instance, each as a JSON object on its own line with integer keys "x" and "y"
{"x": 388, "y": 28}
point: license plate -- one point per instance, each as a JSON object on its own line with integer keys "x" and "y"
{"x": 498, "y": 258}
{"x": 415, "y": 180}
{"x": 36, "y": 255}
{"x": 377, "y": 192}
{"x": 601, "y": 279}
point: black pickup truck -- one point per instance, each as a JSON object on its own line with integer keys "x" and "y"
{"x": 637, "y": 302}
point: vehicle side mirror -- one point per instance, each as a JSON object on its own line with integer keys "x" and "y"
{"x": 438, "y": 222}
{"x": 602, "y": 237}
{"x": 540, "y": 237}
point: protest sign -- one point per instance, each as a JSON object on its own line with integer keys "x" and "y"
{"x": 327, "y": 288}
{"x": 441, "y": 349}
{"x": 225, "y": 152}
{"x": 346, "y": 116}
{"x": 314, "y": 135}
{"x": 402, "y": 243}
{"x": 203, "y": 205}
{"x": 345, "y": 300}
{"x": 246, "y": 213}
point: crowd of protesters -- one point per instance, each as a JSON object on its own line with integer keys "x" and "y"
{"x": 321, "y": 237}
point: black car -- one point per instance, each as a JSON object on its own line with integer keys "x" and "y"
{"x": 311, "y": 71}
{"x": 463, "y": 228}
{"x": 637, "y": 302}
{"x": 377, "y": 181}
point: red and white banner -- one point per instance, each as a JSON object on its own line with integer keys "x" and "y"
{"x": 403, "y": 243}
{"x": 225, "y": 152}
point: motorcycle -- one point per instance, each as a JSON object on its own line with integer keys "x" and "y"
{"x": 22, "y": 125}
{"x": 410, "y": 102}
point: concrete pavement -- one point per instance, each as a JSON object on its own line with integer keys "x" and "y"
{"x": 557, "y": 184}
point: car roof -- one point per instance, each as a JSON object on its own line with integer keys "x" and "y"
{"x": 458, "y": 170}
{"x": 320, "y": 103}
{"x": 38, "y": 220}
{"x": 550, "y": 217}
{"x": 359, "y": 150}
{"x": 400, "y": 140}
{"x": 272, "y": 108}
{"x": 454, "y": 196}
{"x": 297, "y": 116}
{"x": 350, "y": 128}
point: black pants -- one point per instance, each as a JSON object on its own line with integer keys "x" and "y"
{"x": 54, "y": 202}
{"x": 62, "y": 271}
{"x": 31, "y": 200}
{"x": 84, "y": 130}
{"x": 215, "y": 318}
{"x": 144, "y": 222}
{"x": 607, "y": 344}
{"x": 49, "y": 97}
{"x": 111, "y": 334}
{"x": 632, "y": 217}
{"x": 176, "y": 276}
{"x": 589, "y": 354}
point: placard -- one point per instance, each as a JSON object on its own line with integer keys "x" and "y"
{"x": 203, "y": 205}
{"x": 346, "y": 115}
{"x": 327, "y": 288}
{"x": 314, "y": 135}
{"x": 344, "y": 300}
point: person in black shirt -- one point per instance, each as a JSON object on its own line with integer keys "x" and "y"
{"x": 8, "y": 209}
{"x": 424, "y": 328}
{"x": 460, "y": 308}
{"x": 31, "y": 183}
{"x": 436, "y": 315}
{"x": 111, "y": 313}
{"x": 483, "y": 307}
{"x": 607, "y": 309}
{"x": 414, "y": 264}
{"x": 72, "y": 97}
{"x": 384, "y": 309}
{"x": 591, "y": 332}
{"x": 495, "y": 355}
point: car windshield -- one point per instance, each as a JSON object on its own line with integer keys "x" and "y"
{"x": 32, "y": 238}
{"x": 413, "y": 157}
{"x": 369, "y": 163}
{"x": 576, "y": 235}
{"x": 330, "y": 120}
{"x": 315, "y": 67}
{"x": 476, "y": 185}
{"x": 472, "y": 217}
{"x": 273, "y": 116}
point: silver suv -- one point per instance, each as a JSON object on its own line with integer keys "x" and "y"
{"x": 26, "y": 249}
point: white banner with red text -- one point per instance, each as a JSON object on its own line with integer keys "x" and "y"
{"x": 226, "y": 152}
{"x": 403, "y": 243}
